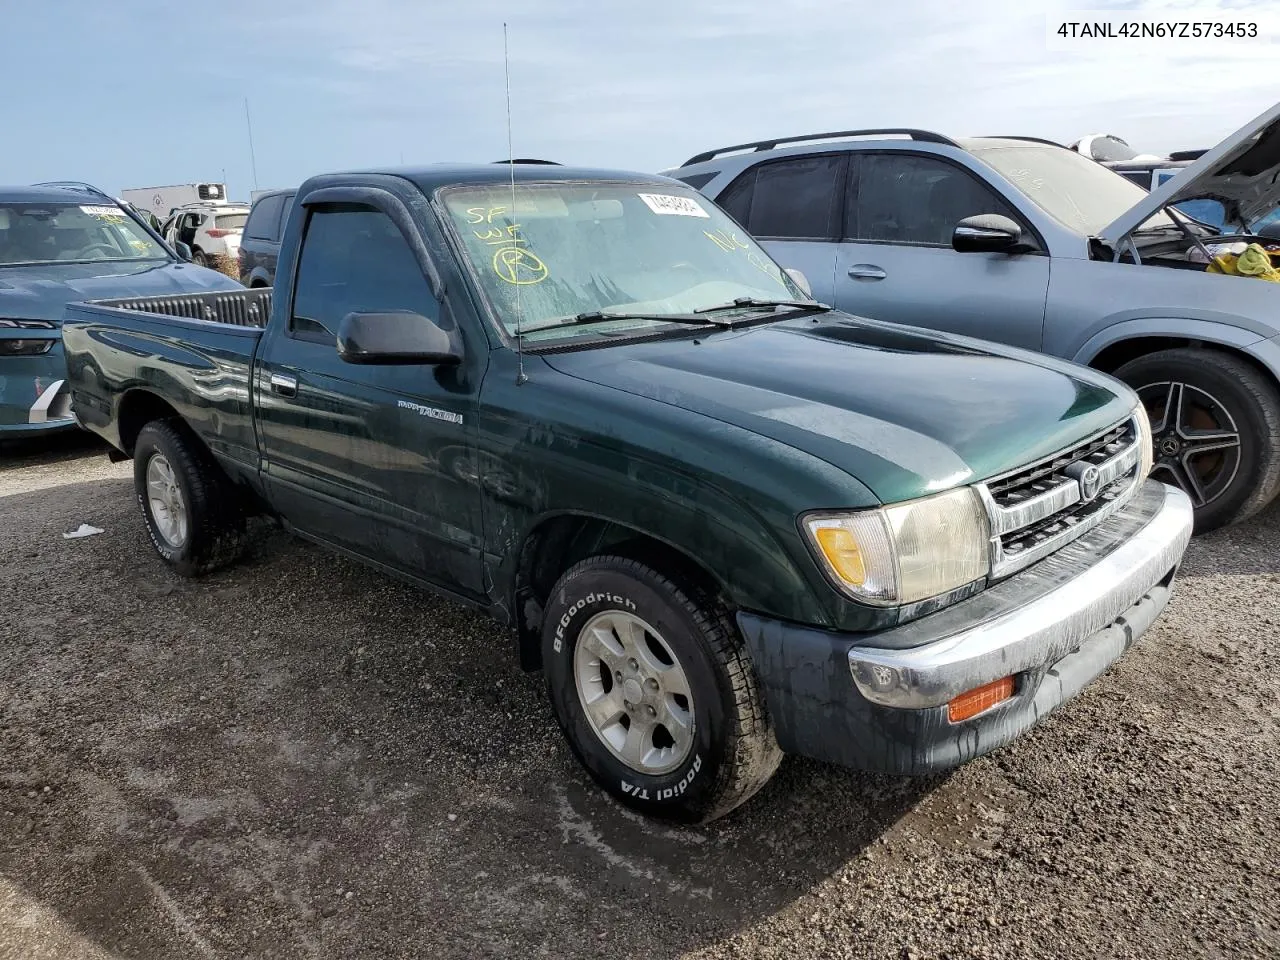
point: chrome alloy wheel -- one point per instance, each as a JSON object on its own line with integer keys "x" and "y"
{"x": 165, "y": 499}
{"x": 634, "y": 693}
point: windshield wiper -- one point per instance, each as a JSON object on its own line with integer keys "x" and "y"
{"x": 599, "y": 316}
{"x": 745, "y": 302}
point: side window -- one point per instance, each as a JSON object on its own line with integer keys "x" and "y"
{"x": 905, "y": 198}
{"x": 354, "y": 259}
{"x": 796, "y": 199}
{"x": 286, "y": 204}
{"x": 264, "y": 218}
{"x": 736, "y": 198}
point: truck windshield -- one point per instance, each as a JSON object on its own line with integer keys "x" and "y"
{"x": 71, "y": 232}
{"x": 570, "y": 249}
{"x": 1074, "y": 190}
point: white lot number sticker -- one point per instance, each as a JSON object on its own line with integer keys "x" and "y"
{"x": 674, "y": 206}
{"x": 103, "y": 211}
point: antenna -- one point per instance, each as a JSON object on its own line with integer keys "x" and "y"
{"x": 252, "y": 158}
{"x": 521, "y": 377}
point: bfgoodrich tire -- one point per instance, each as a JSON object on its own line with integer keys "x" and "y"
{"x": 650, "y": 683}
{"x": 1215, "y": 423}
{"x": 193, "y": 515}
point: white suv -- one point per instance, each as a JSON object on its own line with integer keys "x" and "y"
{"x": 209, "y": 229}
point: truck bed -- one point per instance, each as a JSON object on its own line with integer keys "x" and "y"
{"x": 193, "y": 352}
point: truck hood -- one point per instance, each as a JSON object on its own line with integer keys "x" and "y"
{"x": 42, "y": 292}
{"x": 907, "y": 412}
{"x": 1241, "y": 172}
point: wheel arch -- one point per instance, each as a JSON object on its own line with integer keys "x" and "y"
{"x": 1113, "y": 347}
{"x": 136, "y": 409}
{"x": 557, "y": 542}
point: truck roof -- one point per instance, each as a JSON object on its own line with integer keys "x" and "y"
{"x": 433, "y": 176}
{"x": 26, "y": 194}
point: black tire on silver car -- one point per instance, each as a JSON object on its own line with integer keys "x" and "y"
{"x": 1215, "y": 424}
{"x": 654, "y": 691}
{"x": 193, "y": 514}
{"x": 199, "y": 257}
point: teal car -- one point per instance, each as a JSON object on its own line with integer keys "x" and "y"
{"x": 60, "y": 244}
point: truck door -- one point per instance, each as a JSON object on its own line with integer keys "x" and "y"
{"x": 369, "y": 458}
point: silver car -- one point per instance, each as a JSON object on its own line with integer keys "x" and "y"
{"x": 1029, "y": 243}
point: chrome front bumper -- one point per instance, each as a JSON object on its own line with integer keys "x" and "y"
{"x": 879, "y": 701}
{"x": 1035, "y": 618}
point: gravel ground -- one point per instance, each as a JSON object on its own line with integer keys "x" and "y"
{"x": 301, "y": 758}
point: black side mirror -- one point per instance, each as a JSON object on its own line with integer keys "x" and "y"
{"x": 395, "y": 337}
{"x": 184, "y": 251}
{"x": 987, "y": 233}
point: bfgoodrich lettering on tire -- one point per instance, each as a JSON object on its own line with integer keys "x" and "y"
{"x": 652, "y": 687}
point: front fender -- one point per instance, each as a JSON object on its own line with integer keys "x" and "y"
{"x": 722, "y": 496}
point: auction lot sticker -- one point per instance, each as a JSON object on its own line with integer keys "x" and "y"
{"x": 674, "y": 206}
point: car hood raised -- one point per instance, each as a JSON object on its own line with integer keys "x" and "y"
{"x": 905, "y": 411}
{"x": 1241, "y": 172}
{"x": 42, "y": 292}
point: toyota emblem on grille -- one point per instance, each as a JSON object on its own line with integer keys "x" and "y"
{"x": 1090, "y": 481}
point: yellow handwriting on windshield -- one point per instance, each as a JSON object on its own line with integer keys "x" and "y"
{"x": 483, "y": 214}
{"x": 520, "y": 267}
{"x": 726, "y": 241}
{"x": 498, "y": 236}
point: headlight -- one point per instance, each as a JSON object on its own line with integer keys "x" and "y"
{"x": 1144, "y": 437}
{"x": 905, "y": 552}
{"x": 25, "y": 348}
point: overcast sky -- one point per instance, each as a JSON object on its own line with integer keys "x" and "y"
{"x": 139, "y": 93}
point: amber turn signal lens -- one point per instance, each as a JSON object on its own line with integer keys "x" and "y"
{"x": 844, "y": 555}
{"x": 973, "y": 702}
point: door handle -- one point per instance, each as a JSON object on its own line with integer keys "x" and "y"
{"x": 284, "y": 384}
{"x": 867, "y": 271}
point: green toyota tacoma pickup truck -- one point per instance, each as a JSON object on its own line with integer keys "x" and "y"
{"x": 727, "y": 521}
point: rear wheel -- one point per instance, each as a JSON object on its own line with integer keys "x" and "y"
{"x": 1215, "y": 424}
{"x": 192, "y": 512}
{"x": 654, "y": 691}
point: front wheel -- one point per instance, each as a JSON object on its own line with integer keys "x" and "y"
{"x": 199, "y": 257}
{"x": 654, "y": 691}
{"x": 1215, "y": 424}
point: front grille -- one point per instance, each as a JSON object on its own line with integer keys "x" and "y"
{"x": 1038, "y": 508}
{"x": 1039, "y": 477}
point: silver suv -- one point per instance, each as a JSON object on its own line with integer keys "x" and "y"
{"x": 1029, "y": 243}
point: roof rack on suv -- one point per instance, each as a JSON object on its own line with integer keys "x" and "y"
{"x": 1187, "y": 154}
{"x": 924, "y": 136}
{"x": 549, "y": 163}
{"x": 1051, "y": 143}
